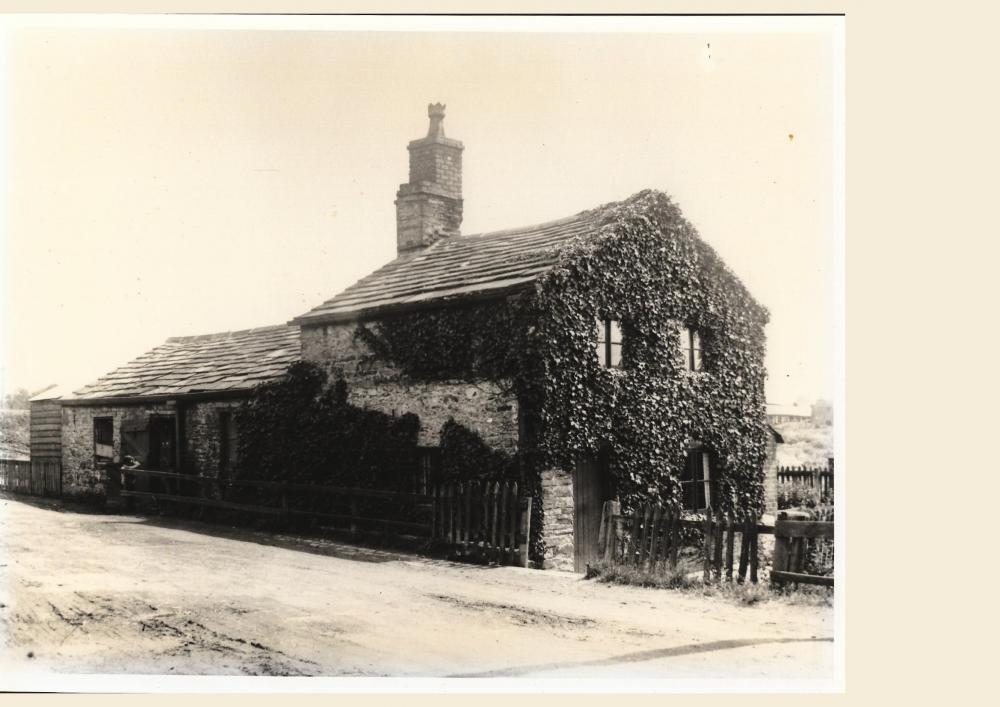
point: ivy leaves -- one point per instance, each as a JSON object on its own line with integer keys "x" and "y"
{"x": 644, "y": 264}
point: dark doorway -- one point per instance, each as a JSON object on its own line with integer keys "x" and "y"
{"x": 591, "y": 488}
{"x": 162, "y": 444}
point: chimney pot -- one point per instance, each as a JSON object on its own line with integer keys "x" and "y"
{"x": 435, "y": 111}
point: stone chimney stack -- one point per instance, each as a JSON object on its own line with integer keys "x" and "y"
{"x": 429, "y": 207}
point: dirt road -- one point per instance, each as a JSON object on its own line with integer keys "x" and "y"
{"x": 91, "y": 593}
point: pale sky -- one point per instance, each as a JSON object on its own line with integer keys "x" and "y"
{"x": 164, "y": 182}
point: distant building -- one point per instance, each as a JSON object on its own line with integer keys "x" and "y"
{"x": 822, "y": 412}
{"x": 778, "y": 414}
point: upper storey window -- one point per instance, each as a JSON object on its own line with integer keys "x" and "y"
{"x": 691, "y": 349}
{"x": 609, "y": 343}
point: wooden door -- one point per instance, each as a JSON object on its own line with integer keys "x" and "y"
{"x": 590, "y": 491}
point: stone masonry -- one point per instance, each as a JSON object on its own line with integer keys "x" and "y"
{"x": 429, "y": 207}
{"x": 483, "y": 406}
{"x": 80, "y": 476}
{"x": 203, "y": 435}
{"x": 202, "y": 439}
{"x": 557, "y": 527}
{"x": 771, "y": 476}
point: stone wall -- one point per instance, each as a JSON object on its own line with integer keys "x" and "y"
{"x": 557, "y": 526}
{"x": 771, "y": 476}
{"x": 203, "y": 436}
{"x": 483, "y": 406}
{"x": 201, "y": 432}
{"x": 80, "y": 476}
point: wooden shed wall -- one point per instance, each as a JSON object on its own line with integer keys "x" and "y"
{"x": 46, "y": 430}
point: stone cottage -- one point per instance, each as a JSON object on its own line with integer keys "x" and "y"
{"x": 611, "y": 353}
{"x": 171, "y": 408}
{"x": 612, "y": 349}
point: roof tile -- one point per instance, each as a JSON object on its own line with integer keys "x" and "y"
{"x": 232, "y": 360}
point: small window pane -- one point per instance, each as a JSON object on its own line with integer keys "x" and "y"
{"x": 706, "y": 474}
{"x": 599, "y": 325}
{"x": 616, "y": 355}
{"x": 103, "y": 439}
{"x": 616, "y": 332}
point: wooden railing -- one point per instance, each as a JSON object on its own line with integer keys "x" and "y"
{"x": 486, "y": 521}
{"x": 792, "y": 535}
{"x": 650, "y": 539}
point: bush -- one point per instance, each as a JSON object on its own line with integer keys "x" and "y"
{"x": 802, "y": 496}
{"x": 301, "y": 429}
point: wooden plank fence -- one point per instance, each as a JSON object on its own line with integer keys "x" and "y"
{"x": 15, "y": 475}
{"x": 813, "y": 477}
{"x": 486, "y": 521}
{"x": 489, "y": 521}
{"x": 650, "y": 539}
{"x": 792, "y": 531}
{"x": 36, "y": 478}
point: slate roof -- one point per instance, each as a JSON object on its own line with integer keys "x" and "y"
{"x": 229, "y": 361}
{"x": 482, "y": 264}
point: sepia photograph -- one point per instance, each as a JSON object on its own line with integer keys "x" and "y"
{"x": 505, "y": 351}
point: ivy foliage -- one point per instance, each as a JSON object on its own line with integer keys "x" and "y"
{"x": 644, "y": 265}
{"x": 466, "y": 457}
{"x": 647, "y": 267}
{"x": 300, "y": 428}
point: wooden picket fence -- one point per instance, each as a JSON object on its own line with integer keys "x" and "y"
{"x": 813, "y": 477}
{"x": 486, "y": 521}
{"x": 650, "y": 539}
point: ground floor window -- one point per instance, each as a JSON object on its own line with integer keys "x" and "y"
{"x": 699, "y": 477}
{"x": 104, "y": 440}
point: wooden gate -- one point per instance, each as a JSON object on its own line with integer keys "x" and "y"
{"x": 487, "y": 521}
{"x": 590, "y": 491}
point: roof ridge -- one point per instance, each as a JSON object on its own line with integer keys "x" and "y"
{"x": 522, "y": 229}
{"x": 224, "y": 334}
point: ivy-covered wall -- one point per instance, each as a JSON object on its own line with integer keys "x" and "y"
{"x": 484, "y": 405}
{"x": 547, "y": 396}
{"x": 646, "y": 266}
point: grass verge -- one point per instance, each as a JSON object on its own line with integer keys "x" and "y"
{"x": 688, "y": 580}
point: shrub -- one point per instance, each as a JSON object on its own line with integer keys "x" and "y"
{"x": 299, "y": 428}
{"x": 802, "y": 496}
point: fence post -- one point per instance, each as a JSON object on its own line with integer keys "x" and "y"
{"x": 707, "y": 546}
{"x": 655, "y": 546}
{"x": 525, "y": 543}
{"x": 729, "y": 546}
{"x": 634, "y": 539}
{"x": 646, "y": 519}
{"x": 717, "y": 559}
{"x": 612, "y": 511}
{"x": 744, "y": 548}
{"x": 675, "y": 537}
